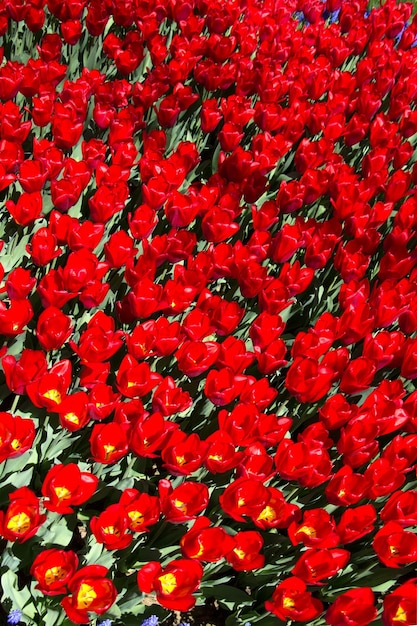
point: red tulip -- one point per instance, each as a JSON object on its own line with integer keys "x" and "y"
{"x": 244, "y": 496}
{"x": 400, "y": 606}
{"x": 355, "y": 607}
{"x": 356, "y": 523}
{"x": 173, "y": 584}
{"x": 53, "y": 569}
{"x": 205, "y": 542}
{"x": 316, "y": 530}
{"x": 142, "y": 509}
{"x": 110, "y": 527}
{"x": 394, "y": 546}
{"x": 65, "y": 486}
{"x": 346, "y": 488}
{"x": 16, "y": 435}
{"x": 14, "y": 317}
{"x": 401, "y": 508}
{"x": 22, "y": 518}
{"x": 183, "y": 454}
{"x": 245, "y": 555}
{"x": 50, "y": 389}
{"x": 108, "y": 443}
{"x": 307, "y": 464}
{"x": 27, "y": 209}
{"x": 29, "y": 368}
{"x": 53, "y": 328}
{"x": 135, "y": 379}
{"x": 183, "y": 503}
{"x": 314, "y": 565}
{"x": 292, "y": 601}
{"x": 91, "y": 592}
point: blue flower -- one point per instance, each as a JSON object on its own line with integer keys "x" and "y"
{"x": 334, "y": 16}
{"x": 107, "y": 622}
{"x": 184, "y": 624}
{"x": 151, "y": 621}
{"x": 14, "y": 616}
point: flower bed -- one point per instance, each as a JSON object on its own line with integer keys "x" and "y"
{"x": 208, "y": 312}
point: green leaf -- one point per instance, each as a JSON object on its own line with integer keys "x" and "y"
{"x": 226, "y": 593}
{"x": 18, "y": 597}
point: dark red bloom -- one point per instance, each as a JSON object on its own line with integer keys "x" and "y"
{"x": 355, "y": 607}
{"x": 314, "y": 565}
{"x": 14, "y": 316}
{"x": 22, "y": 517}
{"x": 308, "y": 464}
{"x": 110, "y": 527}
{"x": 394, "y": 546}
{"x": 142, "y": 509}
{"x": 316, "y": 530}
{"x": 173, "y": 584}
{"x": 400, "y": 606}
{"x": 53, "y": 569}
{"x": 401, "y": 508}
{"x": 244, "y": 496}
{"x": 108, "y": 443}
{"x": 356, "y": 523}
{"x": 65, "y": 486}
{"x": 183, "y": 454}
{"x": 28, "y": 369}
{"x": 245, "y": 555}
{"x": 16, "y": 435}
{"x": 182, "y": 503}
{"x": 205, "y": 542}
{"x": 53, "y": 328}
{"x": 292, "y": 601}
{"x": 91, "y": 592}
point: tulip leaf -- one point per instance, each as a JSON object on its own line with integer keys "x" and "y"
{"x": 17, "y": 597}
{"x": 226, "y": 593}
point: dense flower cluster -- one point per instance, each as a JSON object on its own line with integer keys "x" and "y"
{"x": 208, "y": 313}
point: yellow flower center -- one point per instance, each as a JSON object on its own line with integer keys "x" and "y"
{"x": 268, "y": 514}
{"x": 241, "y": 502}
{"x": 86, "y": 595}
{"x": 72, "y": 417}
{"x": 180, "y": 505}
{"x": 400, "y": 616}
{"x": 54, "y": 573}
{"x": 130, "y": 384}
{"x": 168, "y": 583}
{"x": 136, "y": 518}
{"x": 215, "y": 457}
{"x": 180, "y": 460}
{"x": 308, "y": 530}
{"x": 16, "y": 444}
{"x": 19, "y": 523}
{"x": 241, "y": 554}
{"x": 108, "y": 450}
{"x": 111, "y": 530}
{"x": 54, "y": 395}
{"x": 62, "y": 493}
{"x": 288, "y": 603}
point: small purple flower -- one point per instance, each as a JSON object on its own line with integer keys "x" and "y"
{"x": 184, "y": 624}
{"x": 14, "y": 616}
{"x": 151, "y": 621}
{"x": 106, "y": 622}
